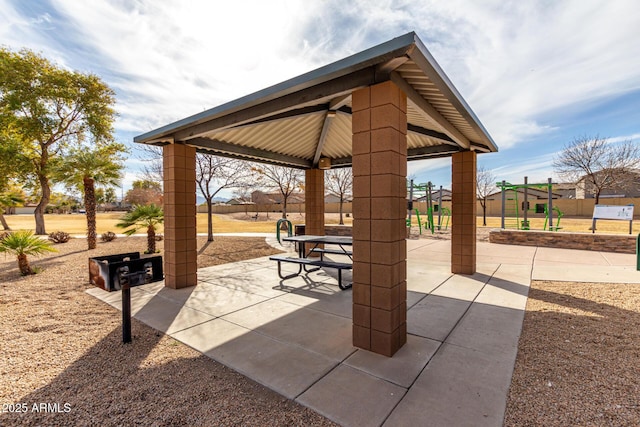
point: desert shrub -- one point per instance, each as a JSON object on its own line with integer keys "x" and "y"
{"x": 109, "y": 236}
{"x": 59, "y": 237}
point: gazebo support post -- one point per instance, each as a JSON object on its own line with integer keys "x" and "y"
{"x": 379, "y": 125}
{"x": 463, "y": 213}
{"x": 314, "y": 202}
{"x": 180, "y": 246}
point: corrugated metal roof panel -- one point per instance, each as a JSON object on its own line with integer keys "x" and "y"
{"x": 284, "y": 123}
{"x": 296, "y": 136}
{"x": 338, "y": 143}
{"x": 430, "y": 92}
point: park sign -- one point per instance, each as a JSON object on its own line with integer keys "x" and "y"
{"x": 613, "y": 212}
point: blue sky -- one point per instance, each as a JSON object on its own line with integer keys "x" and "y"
{"x": 536, "y": 73}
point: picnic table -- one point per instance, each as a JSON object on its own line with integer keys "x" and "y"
{"x": 304, "y": 260}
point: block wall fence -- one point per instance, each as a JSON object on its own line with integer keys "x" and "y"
{"x": 569, "y": 207}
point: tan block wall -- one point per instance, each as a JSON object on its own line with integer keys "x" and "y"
{"x": 379, "y": 125}
{"x": 569, "y": 207}
{"x": 463, "y": 213}
{"x": 586, "y": 241}
{"x": 180, "y": 251}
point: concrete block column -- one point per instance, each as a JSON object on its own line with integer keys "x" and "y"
{"x": 314, "y": 202}
{"x": 379, "y": 125}
{"x": 463, "y": 212}
{"x": 180, "y": 251}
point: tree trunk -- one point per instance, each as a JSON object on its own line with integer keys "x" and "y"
{"x": 209, "y": 220}
{"x": 484, "y": 212}
{"x": 90, "y": 209}
{"x": 341, "y": 220}
{"x": 151, "y": 239}
{"x": 23, "y": 265}
{"x": 42, "y": 205}
{"x": 3, "y": 221}
{"x": 284, "y": 208}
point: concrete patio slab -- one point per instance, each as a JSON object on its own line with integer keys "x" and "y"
{"x": 254, "y": 282}
{"x": 459, "y": 387}
{"x": 294, "y": 336}
{"x": 403, "y": 368}
{"x": 555, "y": 256}
{"x": 285, "y": 368}
{"x": 461, "y": 287}
{"x": 435, "y": 317}
{"x": 323, "y": 333}
{"x": 169, "y": 317}
{"x": 220, "y": 301}
{"x": 324, "y": 296}
{"x": 505, "y": 254}
{"x": 586, "y": 273}
{"x": 628, "y": 260}
{"x": 209, "y": 335}
{"x": 424, "y": 278}
{"x": 508, "y": 287}
{"x": 490, "y": 329}
{"x": 353, "y": 398}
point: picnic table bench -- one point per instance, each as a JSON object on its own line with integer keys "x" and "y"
{"x": 304, "y": 261}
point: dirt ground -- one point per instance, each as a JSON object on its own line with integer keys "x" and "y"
{"x": 63, "y": 348}
{"x": 578, "y": 357}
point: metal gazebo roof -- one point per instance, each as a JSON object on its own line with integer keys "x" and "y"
{"x": 296, "y": 122}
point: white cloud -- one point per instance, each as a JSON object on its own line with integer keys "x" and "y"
{"x": 633, "y": 137}
{"x": 515, "y": 62}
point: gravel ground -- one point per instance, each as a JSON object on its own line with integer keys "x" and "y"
{"x": 577, "y": 362}
{"x": 63, "y": 348}
{"x": 578, "y": 357}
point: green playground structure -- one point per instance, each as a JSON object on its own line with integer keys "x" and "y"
{"x": 512, "y": 209}
{"x": 283, "y": 223}
{"x": 443, "y": 212}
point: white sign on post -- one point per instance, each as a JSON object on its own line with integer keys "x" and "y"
{"x": 621, "y": 213}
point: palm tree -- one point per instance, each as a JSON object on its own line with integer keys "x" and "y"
{"x": 83, "y": 168}
{"x": 143, "y": 216}
{"x": 23, "y": 243}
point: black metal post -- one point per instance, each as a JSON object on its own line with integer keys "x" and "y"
{"x": 126, "y": 313}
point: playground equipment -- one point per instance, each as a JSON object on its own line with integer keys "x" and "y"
{"x": 287, "y": 224}
{"x": 559, "y": 214}
{"x": 443, "y": 213}
{"x": 510, "y": 215}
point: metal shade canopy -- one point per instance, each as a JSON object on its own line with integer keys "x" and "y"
{"x": 297, "y": 122}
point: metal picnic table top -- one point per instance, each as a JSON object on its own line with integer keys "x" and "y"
{"x": 332, "y": 240}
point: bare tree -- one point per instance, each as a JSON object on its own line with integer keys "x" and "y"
{"x": 598, "y": 163}
{"x": 485, "y": 184}
{"x": 339, "y": 182}
{"x": 213, "y": 174}
{"x": 284, "y": 180}
{"x": 153, "y": 168}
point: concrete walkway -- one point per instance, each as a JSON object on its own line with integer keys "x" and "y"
{"x": 294, "y": 336}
